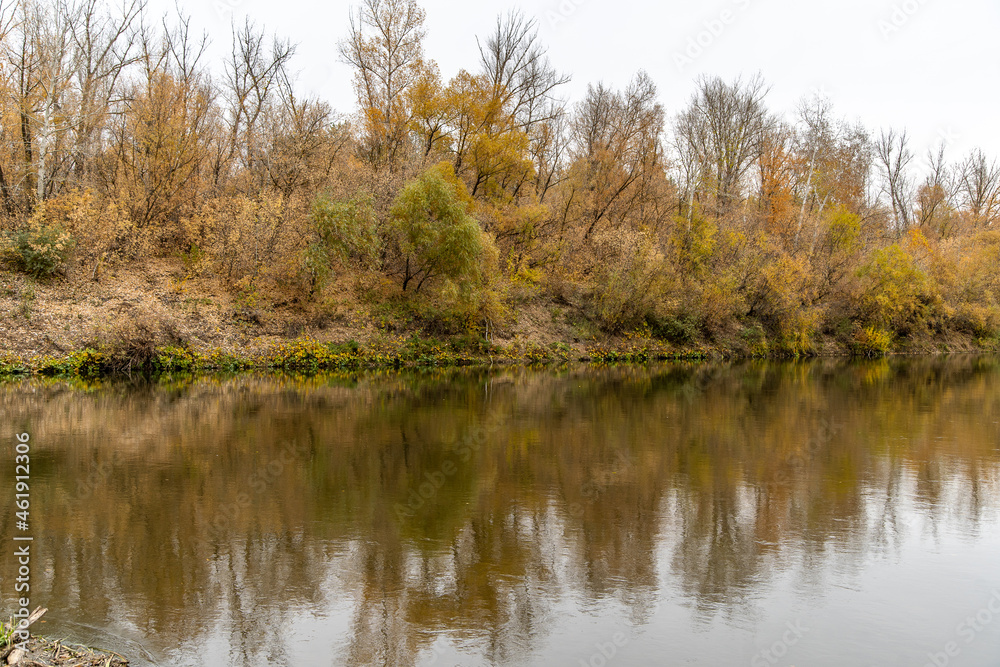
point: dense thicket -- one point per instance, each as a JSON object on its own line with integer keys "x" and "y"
{"x": 455, "y": 198}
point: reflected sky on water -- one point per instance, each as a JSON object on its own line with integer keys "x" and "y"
{"x": 822, "y": 513}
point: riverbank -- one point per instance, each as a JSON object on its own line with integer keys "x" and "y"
{"x": 19, "y": 647}
{"x": 156, "y": 317}
{"x": 41, "y": 651}
{"x": 309, "y": 355}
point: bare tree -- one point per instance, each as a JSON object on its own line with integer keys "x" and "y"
{"x": 721, "y": 135}
{"x": 979, "y": 183}
{"x": 689, "y": 162}
{"x": 44, "y": 69}
{"x": 303, "y": 139}
{"x": 516, "y": 64}
{"x": 815, "y": 140}
{"x": 616, "y": 148}
{"x": 550, "y": 140}
{"x": 893, "y": 154}
{"x": 159, "y": 145}
{"x": 8, "y": 21}
{"x": 524, "y": 86}
{"x": 254, "y": 76}
{"x": 105, "y": 48}
{"x": 173, "y": 49}
{"x": 936, "y": 195}
{"x": 833, "y": 166}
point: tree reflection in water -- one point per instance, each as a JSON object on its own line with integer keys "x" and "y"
{"x": 251, "y": 516}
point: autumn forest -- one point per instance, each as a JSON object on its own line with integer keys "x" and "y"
{"x": 451, "y": 206}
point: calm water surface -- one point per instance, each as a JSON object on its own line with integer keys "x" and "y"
{"x": 761, "y": 514}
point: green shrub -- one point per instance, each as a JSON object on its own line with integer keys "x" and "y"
{"x": 174, "y": 359}
{"x": 40, "y": 251}
{"x": 87, "y": 363}
{"x": 871, "y": 342}
{"x": 345, "y": 231}
{"x": 7, "y": 632}
{"x": 445, "y": 260}
{"x": 755, "y": 339}
{"x": 12, "y": 367}
{"x": 677, "y": 330}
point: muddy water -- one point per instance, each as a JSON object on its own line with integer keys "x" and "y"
{"x": 757, "y": 514}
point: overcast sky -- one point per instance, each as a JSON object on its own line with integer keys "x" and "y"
{"x": 930, "y": 66}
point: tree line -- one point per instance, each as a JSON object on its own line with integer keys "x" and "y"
{"x": 457, "y": 200}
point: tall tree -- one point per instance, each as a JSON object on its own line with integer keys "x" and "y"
{"x": 722, "y": 134}
{"x": 980, "y": 188}
{"x": 105, "y": 45}
{"x": 892, "y": 151}
{"x": 832, "y": 164}
{"x": 616, "y": 150}
{"x": 385, "y": 47}
{"x": 44, "y": 66}
{"x": 253, "y": 77}
{"x": 936, "y": 195}
{"x": 157, "y": 149}
{"x": 517, "y": 67}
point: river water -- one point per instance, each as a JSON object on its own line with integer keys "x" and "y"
{"x": 828, "y": 513}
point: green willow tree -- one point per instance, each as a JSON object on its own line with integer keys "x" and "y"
{"x": 436, "y": 235}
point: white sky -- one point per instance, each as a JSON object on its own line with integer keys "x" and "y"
{"x": 930, "y": 66}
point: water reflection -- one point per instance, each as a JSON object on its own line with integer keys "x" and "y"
{"x": 520, "y": 517}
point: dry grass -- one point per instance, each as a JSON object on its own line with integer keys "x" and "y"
{"x": 131, "y": 343}
{"x": 44, "y": 653}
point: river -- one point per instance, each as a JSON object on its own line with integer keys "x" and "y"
{"x": 824, "y": 513}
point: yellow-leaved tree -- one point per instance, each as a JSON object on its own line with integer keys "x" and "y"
{"x": 385, "y": 48}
